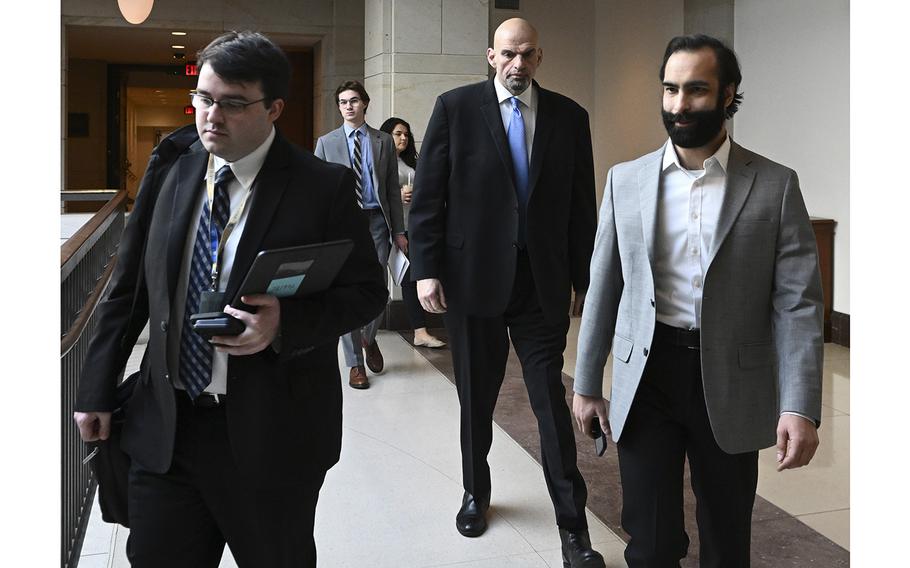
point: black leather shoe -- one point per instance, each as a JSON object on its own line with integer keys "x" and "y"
{"x": 471, "y": 518}
{"x": 577, "y": 551}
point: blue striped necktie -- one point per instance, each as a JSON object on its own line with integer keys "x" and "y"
{"x": 358, "y": 169}
{"x": 195, "y": 351}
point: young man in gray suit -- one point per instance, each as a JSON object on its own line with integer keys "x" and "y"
{"x": 705, "y": 284}
{"x": 371, "y": 154}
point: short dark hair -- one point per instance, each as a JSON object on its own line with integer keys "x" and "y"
{"x": 249, "y": 57}
{"x": 409, "y": 155}
{"x": 728, "y": 71}
{"x": 352, "y": 86}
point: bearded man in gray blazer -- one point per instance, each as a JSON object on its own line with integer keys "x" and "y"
{"x": 705, "y": 285}
{"x": 371, "y": 154}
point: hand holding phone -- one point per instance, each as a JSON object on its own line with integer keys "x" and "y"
{"x": 600, "y": 437}
{"x": 210, "y": 324}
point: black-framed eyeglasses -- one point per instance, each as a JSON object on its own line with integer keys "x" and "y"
{"x": 205, "y": 102}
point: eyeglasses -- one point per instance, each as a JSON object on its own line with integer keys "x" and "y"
{"x": 344, "y": 102}
{"x": 204, "y": 102}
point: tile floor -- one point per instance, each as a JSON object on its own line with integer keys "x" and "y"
{"x": 400, "y": 447}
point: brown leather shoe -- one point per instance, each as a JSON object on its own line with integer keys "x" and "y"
{"x": 374, "y": 357}
{"x": 359, "y": 378}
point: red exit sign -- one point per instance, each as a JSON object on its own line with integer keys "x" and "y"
{"x": 191, "y": 70}
{"x": 188, "y": 109}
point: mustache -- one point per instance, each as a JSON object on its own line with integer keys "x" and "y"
{"x": 679, "y": 117}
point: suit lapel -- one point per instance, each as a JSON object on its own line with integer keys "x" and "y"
{"x": 490, "y": 109}
{"x": 188, "y": 185}
{"x": 648, "y": 187}
{"x": 268, "y": 189}
{"x": 740, "y": 178}
{"x": 376, "y": 147}
{"x": 542, "y": 129}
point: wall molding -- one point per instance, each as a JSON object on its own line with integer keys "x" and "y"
{"x": 840, "y": 328}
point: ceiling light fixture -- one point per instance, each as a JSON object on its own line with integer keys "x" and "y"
{"x": 178, "y": 47}
{"x": 135, "y": 11}
{"x": 178, "y": 33}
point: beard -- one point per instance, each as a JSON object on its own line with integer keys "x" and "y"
{"x": 705, "y": 126}
{"x": 517, "y": 85}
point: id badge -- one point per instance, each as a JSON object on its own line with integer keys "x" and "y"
{"x": 211, "y": 301}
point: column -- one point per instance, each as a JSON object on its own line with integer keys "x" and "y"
{"x": 414, "y": 50}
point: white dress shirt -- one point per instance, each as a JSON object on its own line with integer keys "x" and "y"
{"x": 245, "y": 171}
{"x": 688, "y": 207}
{"x": 528, "y": 107}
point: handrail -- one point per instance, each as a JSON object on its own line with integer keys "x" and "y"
{"x": 88, "y": 194}
{"x": 76, "y": 242}
{"x": 86, "y": 263}
{"x": 75, "y": 331}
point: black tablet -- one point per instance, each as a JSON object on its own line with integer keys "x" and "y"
{"x": 294, "y": 271}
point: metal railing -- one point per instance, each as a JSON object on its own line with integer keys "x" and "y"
{"x": 86, "y": 262}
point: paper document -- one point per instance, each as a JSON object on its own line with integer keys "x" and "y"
{"x": 398, "y": 265}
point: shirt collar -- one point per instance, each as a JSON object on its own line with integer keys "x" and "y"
{"x": 721, "y": 157}
{"x": 247, "y": 168}
{"x": 528, "y": 96}
{"x": 348, "y": 130}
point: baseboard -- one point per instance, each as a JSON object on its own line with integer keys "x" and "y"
{"x": 840, "y": 328}
{"x": 396, "y": 318}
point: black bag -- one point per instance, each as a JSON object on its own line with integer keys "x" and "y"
{"x": 111, "y": 465}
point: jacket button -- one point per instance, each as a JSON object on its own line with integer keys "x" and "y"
{"x": 164, "y": 326}
{"x": 646, "y": 351}
{"x": 167, "y": 377}
{"x": 652, "y": 302}
{"x": 514, "y": 244}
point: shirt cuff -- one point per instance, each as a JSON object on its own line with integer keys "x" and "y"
{"x": 812, "y": 420}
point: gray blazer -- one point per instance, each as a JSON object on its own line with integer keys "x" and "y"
{"x": 333, "y": 147}
{"x": 761, "y": 333}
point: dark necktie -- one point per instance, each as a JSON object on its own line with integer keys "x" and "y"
{"x": 518, "y": 147}
{"x": 358, "y": 169}
{"x": 196, "y": 351}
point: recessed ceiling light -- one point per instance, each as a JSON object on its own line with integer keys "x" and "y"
{"x": 178, "y": 47}
{"x": 158, "y": 91}
{"x": 178, "y": 33}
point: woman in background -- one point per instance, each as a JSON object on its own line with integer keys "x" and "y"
{"x": 407, "y": 163}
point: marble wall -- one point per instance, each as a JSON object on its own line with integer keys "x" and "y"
{"x": 414, "y": 50}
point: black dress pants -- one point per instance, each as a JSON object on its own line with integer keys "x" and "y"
{"x": 480, "y": 349}
{"x": 668, "y": 422}
{"x": 182, "y": 518}
{"x": 416, "y": 315}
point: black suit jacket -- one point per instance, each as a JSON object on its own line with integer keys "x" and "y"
{"x": 283, "y": 410}
{"x": 463, "y": 224}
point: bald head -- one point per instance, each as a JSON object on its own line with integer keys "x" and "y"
{"x": 515, "y": 29}
{"x": 515, "y": 54}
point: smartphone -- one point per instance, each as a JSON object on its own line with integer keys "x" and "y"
{"x": 600, "y": 437}
{"x": 210, "y": 324}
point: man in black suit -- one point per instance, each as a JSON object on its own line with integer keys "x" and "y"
{"x": 502, "y": 228}
{"x": 229, "y": 442}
